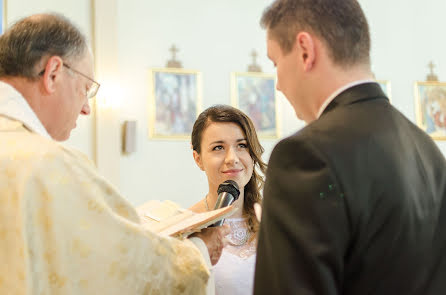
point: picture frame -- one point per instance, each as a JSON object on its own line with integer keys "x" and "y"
{"x": 430, "y": 104}
{"x": 175, "y": 102}
{"x": 3, "y": 16}
{"x": 386, "y": 87}
{"x": 255, "y": 94}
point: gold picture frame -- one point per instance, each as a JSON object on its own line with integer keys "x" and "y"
{"x": 430, "y": 105}
{"x": 386, "y": 86}
{"x": 175, "y": 102}
{"x": 255, "y": 94}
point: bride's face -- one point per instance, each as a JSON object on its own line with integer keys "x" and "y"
{"x": 224, "y": 155}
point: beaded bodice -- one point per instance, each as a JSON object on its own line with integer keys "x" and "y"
{"x": 239, "y": 240}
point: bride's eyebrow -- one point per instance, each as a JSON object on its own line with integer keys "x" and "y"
{"x": 216, "y": 142}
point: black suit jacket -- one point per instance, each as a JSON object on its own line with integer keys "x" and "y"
{"x": 354, "y": 203}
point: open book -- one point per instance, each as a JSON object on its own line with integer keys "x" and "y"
{"x": 168, "y": 218}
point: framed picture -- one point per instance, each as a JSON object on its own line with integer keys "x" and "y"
{"x": 255, "y": 95}
{"x": 430, "y": 102}
{"x": 386, "y": 87}
{"x": 3, "y": 16}
{"x": 175, "y": 102}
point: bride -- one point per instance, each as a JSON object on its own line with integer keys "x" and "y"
{"x": 225, "y": 146}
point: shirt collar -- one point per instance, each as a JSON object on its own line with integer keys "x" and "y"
{"x": 13, "y": 105}
{"x": 339, "y": 91}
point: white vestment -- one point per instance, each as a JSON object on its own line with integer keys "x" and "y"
{"x": 65, "y": 230}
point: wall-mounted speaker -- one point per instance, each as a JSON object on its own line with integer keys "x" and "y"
{"x": 129, "y": 137}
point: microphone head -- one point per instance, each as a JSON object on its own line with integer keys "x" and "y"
{"x": 230, "y": 187}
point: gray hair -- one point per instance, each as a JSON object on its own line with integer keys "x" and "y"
{"x": 32, "y": 38}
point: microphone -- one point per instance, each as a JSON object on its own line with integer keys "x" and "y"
{"x": 228, "y": 192}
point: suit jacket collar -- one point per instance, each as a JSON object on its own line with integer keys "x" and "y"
{"x": 355, "y": 94}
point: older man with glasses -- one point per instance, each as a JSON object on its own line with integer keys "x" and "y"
{"x": 63, "y": 228}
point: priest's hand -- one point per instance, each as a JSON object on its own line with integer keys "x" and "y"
{"x": 214, "y": 238}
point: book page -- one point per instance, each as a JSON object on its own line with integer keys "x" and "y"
{"x": 197, "y": 221}
{"x": 155, "y": 211}
{"x": 168, "y": 218}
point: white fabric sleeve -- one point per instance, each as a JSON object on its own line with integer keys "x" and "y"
{"x": 199, "y": 243}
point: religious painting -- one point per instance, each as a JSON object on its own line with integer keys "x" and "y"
{"x": 255, "y": 94}
{"x": 2, "y": 15}
{"x": 431, "y": 108}
{"x": 175, "y": 102}
{"x": 385, "y": 86}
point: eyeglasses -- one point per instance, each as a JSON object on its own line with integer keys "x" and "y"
{"x": 92, "y": 91}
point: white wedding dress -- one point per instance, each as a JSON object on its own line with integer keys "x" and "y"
{"x": 234, "y": 272}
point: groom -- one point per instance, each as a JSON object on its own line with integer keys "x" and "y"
{"x": 355, "y": 202}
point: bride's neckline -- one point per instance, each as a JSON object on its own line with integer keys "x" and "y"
{"x": 240, "y": 234}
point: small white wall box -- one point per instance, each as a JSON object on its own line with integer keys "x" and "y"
{"x": 129, "y": 137}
